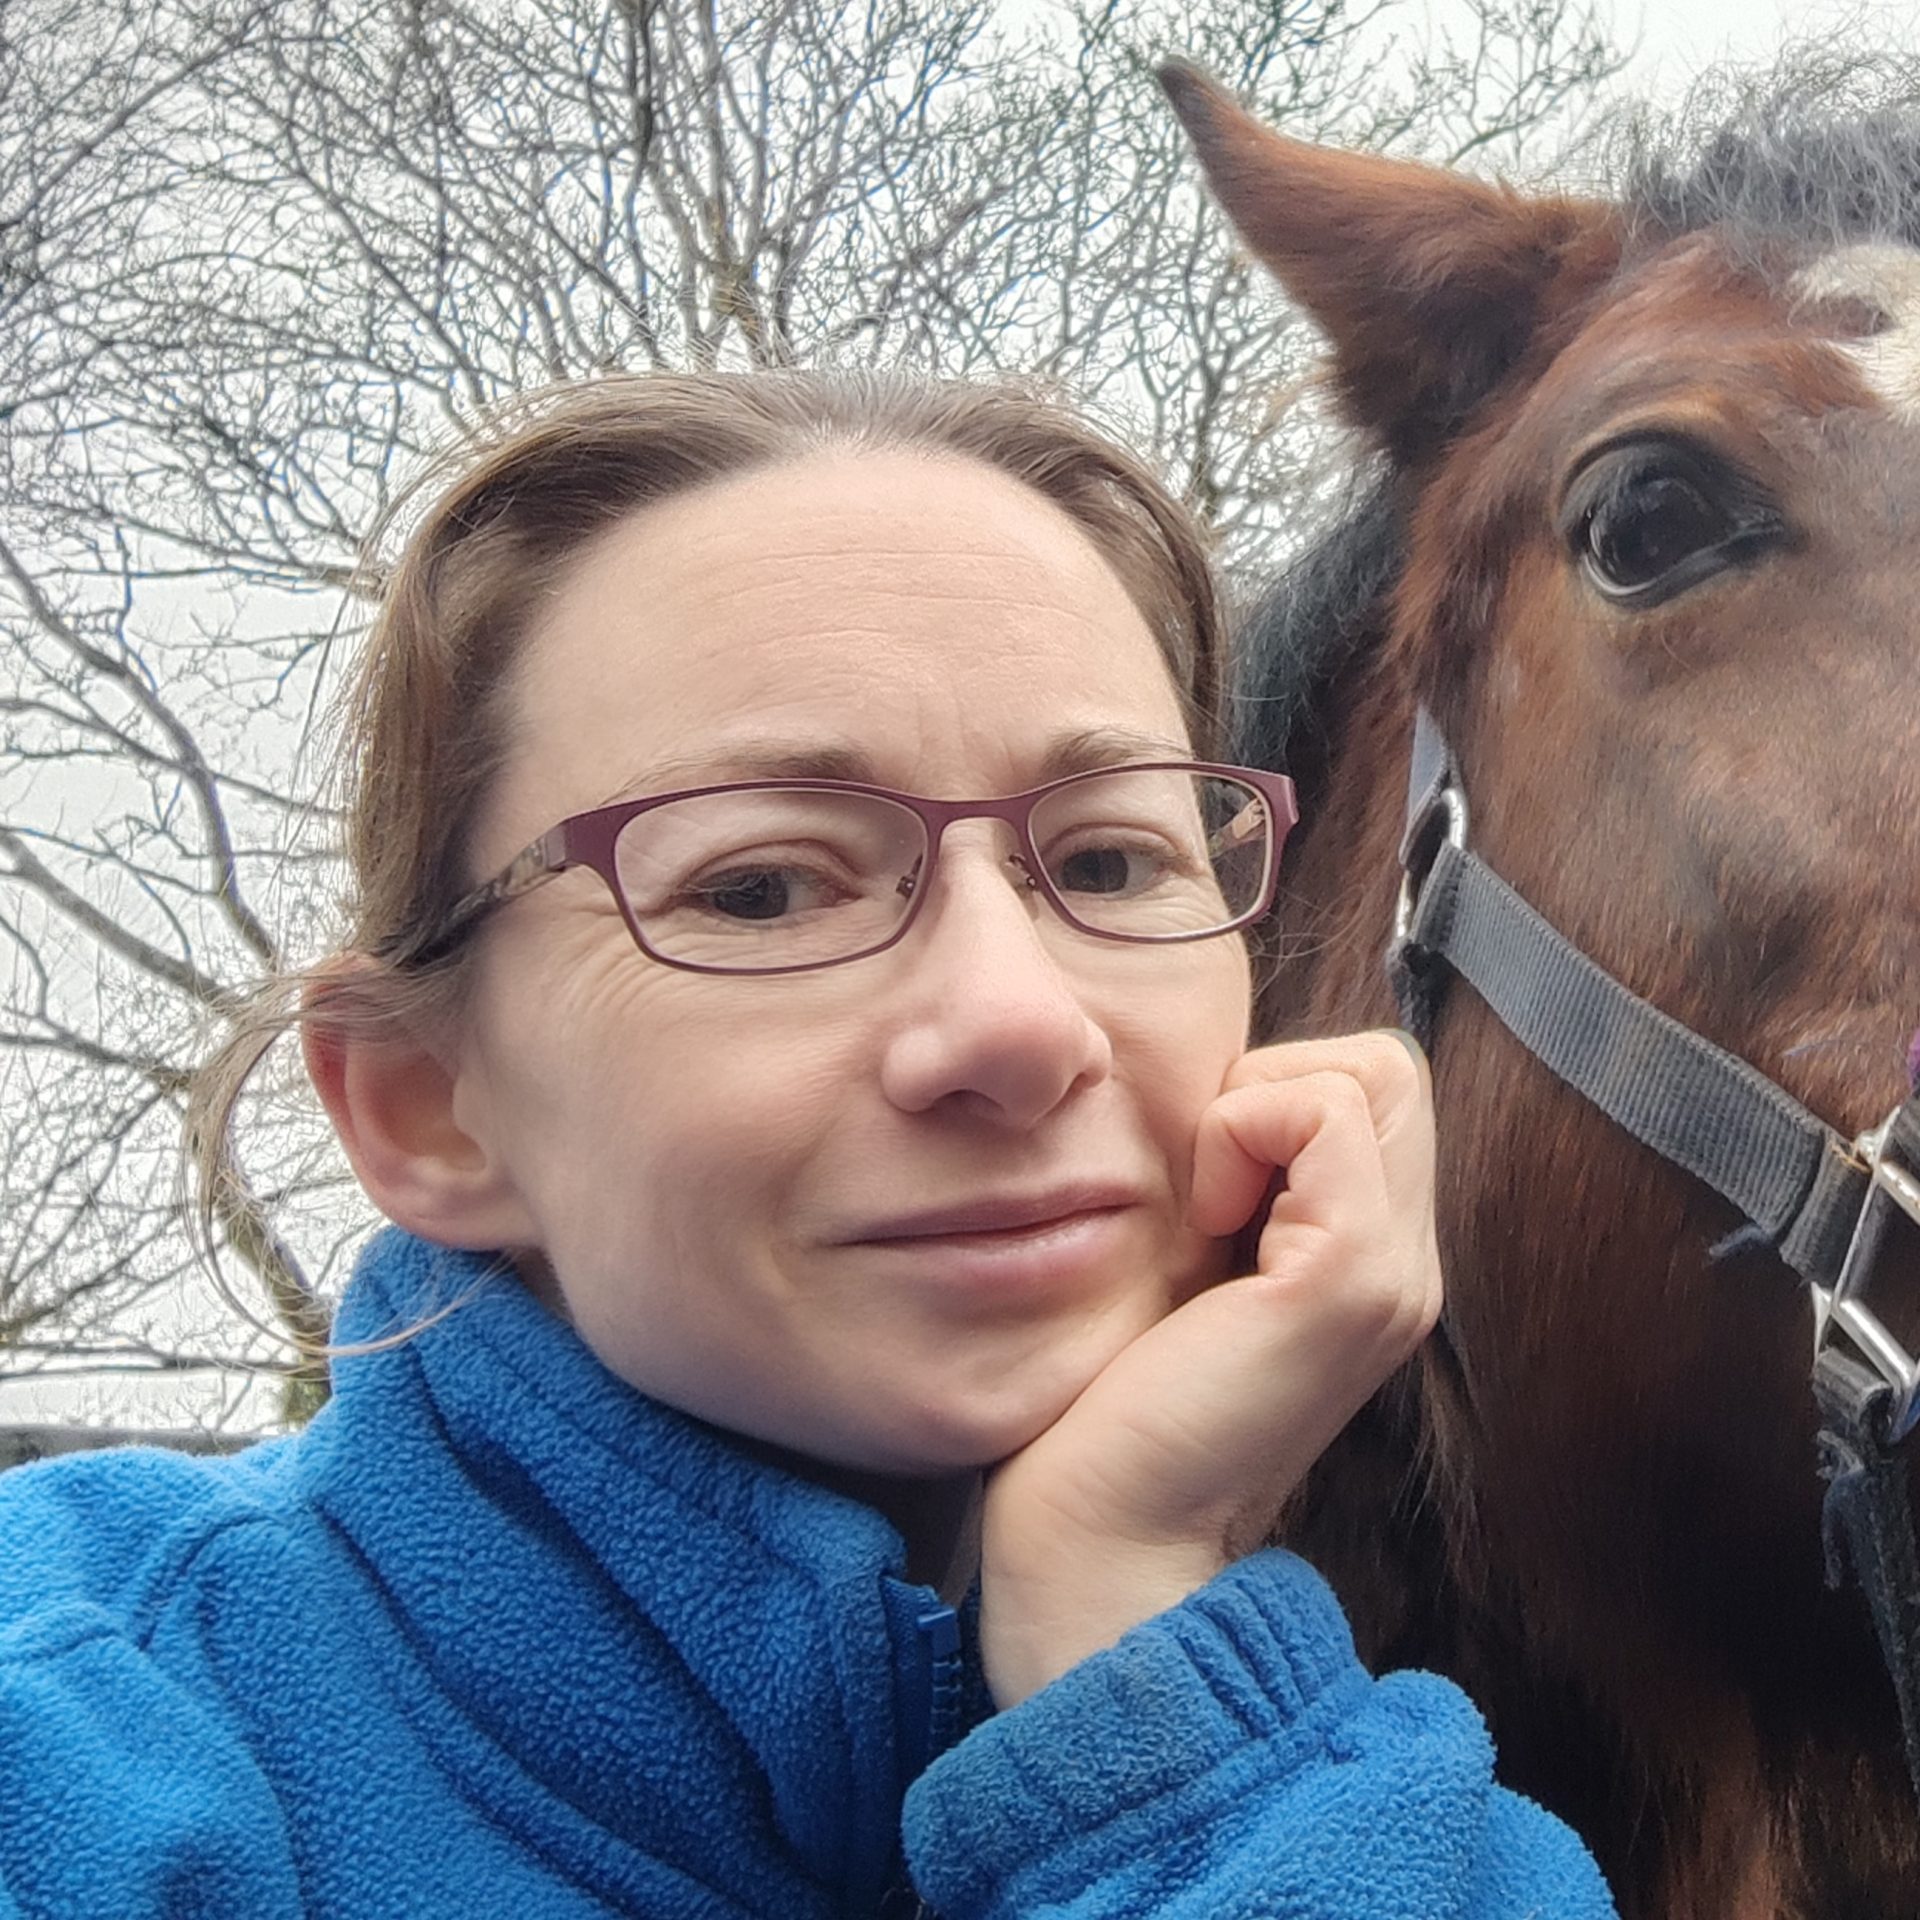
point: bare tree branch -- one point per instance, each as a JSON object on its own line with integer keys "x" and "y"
{"x": 260, "y": 258}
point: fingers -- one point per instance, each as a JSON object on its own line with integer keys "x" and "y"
{"x": 1177, "y": 1455}
{"x": 1319, "y": 1128}
{"x": 1362, "y": 1100}
{"x": 1360, "y": 1244}
{"x": 1390, "y": 1070}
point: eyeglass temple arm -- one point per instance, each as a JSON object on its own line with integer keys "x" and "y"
{"x": 533, "y": 866}
{"x": 1249, "y": 822}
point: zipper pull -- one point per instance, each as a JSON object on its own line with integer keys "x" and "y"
{"x": 939, "y": 1627}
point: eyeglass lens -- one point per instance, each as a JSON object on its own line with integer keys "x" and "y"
{"x": 775, "y": 877}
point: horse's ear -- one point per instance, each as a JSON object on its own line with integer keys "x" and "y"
{"x": 1429, "y": 284}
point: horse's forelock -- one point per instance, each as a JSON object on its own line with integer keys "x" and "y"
{"x": 1820, "y": 152}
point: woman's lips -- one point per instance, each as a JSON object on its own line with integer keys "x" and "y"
{"x": 1016, "y": 1249}
{"x": 992, "y": 1217}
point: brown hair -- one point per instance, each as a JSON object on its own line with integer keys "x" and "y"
{"x": 424, "y": 725}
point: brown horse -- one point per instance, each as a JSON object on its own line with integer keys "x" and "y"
{"x": 1646, "y": 543}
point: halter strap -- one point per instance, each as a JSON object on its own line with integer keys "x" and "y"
{"x": 1827, "y": 1206}
{"x": 1791, "y": 1175}
{"x": 1866, "y": 1523}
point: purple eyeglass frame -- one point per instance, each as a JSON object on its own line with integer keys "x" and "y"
{"x": 588, "y": 840}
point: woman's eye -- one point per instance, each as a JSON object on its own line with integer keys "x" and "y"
{"x": 1112, "y": 867}
{"x": 763, "y": 893}
{"x": 1650, "y": 525}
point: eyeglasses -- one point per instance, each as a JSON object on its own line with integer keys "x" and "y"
{"x": 782, "y": 876}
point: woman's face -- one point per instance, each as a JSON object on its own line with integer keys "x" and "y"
{"x": 781, "y": 1203}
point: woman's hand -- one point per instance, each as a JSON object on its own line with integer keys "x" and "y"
{"x": 1176, "y": 1459}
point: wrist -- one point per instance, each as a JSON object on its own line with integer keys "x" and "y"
{"x": 1044, "y": 1613}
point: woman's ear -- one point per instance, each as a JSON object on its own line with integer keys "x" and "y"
{"x": 391, "y": 1097}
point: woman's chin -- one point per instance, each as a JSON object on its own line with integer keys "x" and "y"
{"x": 971, "y": 1437}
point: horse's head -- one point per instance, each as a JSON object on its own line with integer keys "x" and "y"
{"x": 1653, "y": 479}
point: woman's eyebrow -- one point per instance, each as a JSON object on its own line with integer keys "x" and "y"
{"x": 1097, "y": 747}
{"x": 757, "y": 760}
{"x": 1080, "y": 752}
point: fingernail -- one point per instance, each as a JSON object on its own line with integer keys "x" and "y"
{"x": 1407, "y": 1040}
{"x": 1414, "y": 1047}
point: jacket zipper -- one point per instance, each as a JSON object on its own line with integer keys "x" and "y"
{"x": 939, "y": 1628}
{"x": 931, "y": 1686}
{"x": 927, "y": 1721}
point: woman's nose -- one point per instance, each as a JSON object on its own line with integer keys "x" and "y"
{"x": 991, "y": 1021}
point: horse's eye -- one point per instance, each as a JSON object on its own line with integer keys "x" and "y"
{"x": 1648, "y": 521}
{"x": 1648, "y": 528}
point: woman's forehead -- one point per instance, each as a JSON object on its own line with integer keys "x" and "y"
{"x": 869, "y": 596}
{"x": 830, "y": 539}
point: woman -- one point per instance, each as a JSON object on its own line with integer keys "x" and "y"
{"x": 871, "y": 1115}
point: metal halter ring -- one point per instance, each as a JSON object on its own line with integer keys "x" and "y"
{"x": 1450, "y": 800}
{"x": 1893, "y": 1192}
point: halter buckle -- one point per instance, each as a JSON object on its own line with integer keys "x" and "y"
{"x": 1893, "y": 1195}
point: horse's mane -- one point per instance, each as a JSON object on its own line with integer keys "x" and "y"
{"x": 1310, "y": 624}
{"x": 1821, "y": 150}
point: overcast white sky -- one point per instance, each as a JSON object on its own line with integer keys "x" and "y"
{"x": 1677, "y": 38}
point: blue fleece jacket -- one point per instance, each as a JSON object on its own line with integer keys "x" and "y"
{"x": 498, "y": 1636}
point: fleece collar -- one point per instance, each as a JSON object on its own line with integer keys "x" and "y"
{"x": 676, "y": 1646}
